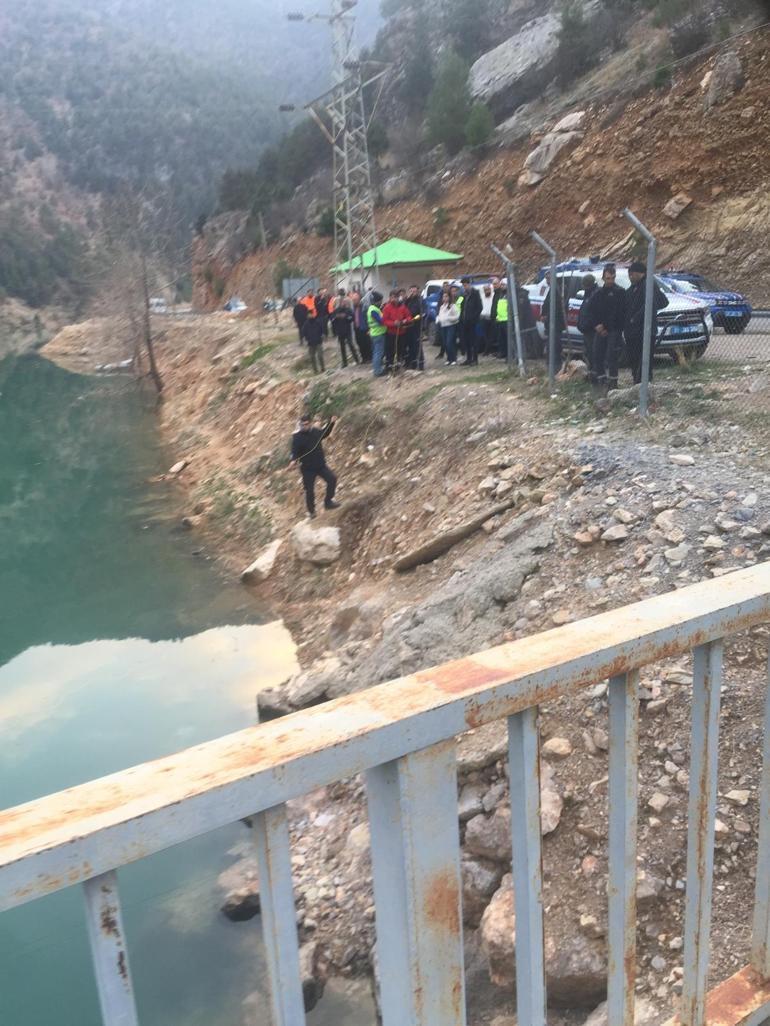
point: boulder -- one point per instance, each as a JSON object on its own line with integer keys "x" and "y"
{"x": 575, "y": 965}
{"x": 263, "y": 565}
{"x": 478, "y": 749}
{"x": 498, "y": 935}
{"x": 515, "y": 70}
{"x": 317, "y": 545}
{"x": 489, "y": 837}
{"x": 726, "y": 79}
{"x": 570, "y": 122}
{"x": 556, "y": 748}
{"x": 398, "y": 187}
{"x": 240, "y": 882}
{"x": 480, "y": 879}
{"x": 539, "y": 161}
{"x": 677, "y": 205}
{"x": 575, "y": 970}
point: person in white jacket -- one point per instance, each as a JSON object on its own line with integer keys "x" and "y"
{"x": 447, "y": 319}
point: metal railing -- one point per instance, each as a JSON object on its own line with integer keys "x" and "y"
{"x": 401, "y": 736}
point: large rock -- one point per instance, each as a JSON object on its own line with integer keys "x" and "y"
{"x": 539, "y": 161}
{"x": 263, "y": 565}
{"x": 240, "y": 882}
{"x": 480, "y": 748}
{"x": 317, "y": 545}
{"x": 575, "y": 966}
{"x": 726, "y": 79}
{"x": 521, "y": 67}
{"x": 490, "y": 836}
{"x": 308, "y": 687}
{"x": 498, "y": 935}
{"x": 314, "y": 974}
{"x": 480, "y": 879}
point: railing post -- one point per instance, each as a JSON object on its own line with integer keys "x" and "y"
{"x": 415, "y": 835}
{"x": 760, "y": 942}
{"x": 109, "y": 951}
{"x": 704, "y": 754}
{"x": 649, "y": 285}
{"x": 524, "y": 769}
{"x": 514, "y": 328}
{"x": 279, "y": 916}
{"x": 552, "y": 312}
{"x": 623, "y": 794}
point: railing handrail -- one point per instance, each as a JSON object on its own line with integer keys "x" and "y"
{"x": 82, "y": 832}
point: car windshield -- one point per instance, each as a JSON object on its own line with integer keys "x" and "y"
{"x": 682, "y": 285}
{"x": 433, "y": 289}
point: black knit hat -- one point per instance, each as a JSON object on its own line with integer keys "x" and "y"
{"x": 637, "y": 266}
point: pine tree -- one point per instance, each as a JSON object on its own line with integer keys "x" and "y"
{"x": 449, "y": 103}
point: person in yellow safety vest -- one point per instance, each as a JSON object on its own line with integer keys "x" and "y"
{"x": 501, "y": 317}
{"x": 377, "y": 333}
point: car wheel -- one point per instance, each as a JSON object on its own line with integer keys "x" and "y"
{"x": 735, "y": 325}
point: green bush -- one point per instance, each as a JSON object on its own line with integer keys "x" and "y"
{"x": 479, "y": 126}
{"x": 662, "y": 77}
{"x": 576, "y": 43}
{"x": 283, "y": 269}
{"x": 449, "y": 103}
{"x": 325, "y": 225}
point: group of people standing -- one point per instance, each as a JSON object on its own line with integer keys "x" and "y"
{"x": 472, "y": 320}
{"x": 609, "y": 316}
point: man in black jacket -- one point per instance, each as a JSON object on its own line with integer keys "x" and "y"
{"x": 588, "y": 333}
{"x": 633, "y": 326}
{"x": 307, "y": 448}
{"x": 605, "y": 316}
{"x": 414, "y": 357}
{"x": 300, "y": 316}
{"x": 470, "y": 315}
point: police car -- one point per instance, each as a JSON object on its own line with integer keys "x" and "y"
{"x": 684, "y": 326}
{"x": 730, "y": 310}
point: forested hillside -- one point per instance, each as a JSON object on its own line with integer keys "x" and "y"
{"x": 98, "y": 93}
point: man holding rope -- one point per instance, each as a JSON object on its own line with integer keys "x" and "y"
{"x": 307, "y": 449}
{"x": 397, "y": 320}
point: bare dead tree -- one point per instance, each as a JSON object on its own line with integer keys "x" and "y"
{"x": 141, "y": 257}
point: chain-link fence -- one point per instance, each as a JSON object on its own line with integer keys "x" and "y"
{"x": 710, "y": 333}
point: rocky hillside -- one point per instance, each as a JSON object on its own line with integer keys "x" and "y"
{"x": 690, "y": 158}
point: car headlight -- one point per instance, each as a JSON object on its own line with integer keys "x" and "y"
{"x": 709, "y": 322}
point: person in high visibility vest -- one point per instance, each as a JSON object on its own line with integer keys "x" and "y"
{"x": 377, "y": 333}
{"x": 501, "y": 317}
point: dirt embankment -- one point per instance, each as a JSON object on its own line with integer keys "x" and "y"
{"x": 605, "y": 511}
{"x": 637, "y": 152}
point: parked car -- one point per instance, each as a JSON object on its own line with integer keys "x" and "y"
{"x": 685, "y": 325}
{"x": 158, "y": 305}
{"x": 235, "y": 305}
{"x": 431, "y": 295}
{"x": 730, "y": 310}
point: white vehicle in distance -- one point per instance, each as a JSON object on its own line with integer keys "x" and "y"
{"x": 684, "y": 326}
{"x": 158, "y": 305}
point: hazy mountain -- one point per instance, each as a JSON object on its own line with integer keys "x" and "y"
{"x": 95, "y": 92}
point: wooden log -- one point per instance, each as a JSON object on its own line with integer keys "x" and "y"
{"x": 442, "y": 543}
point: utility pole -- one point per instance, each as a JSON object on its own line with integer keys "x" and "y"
{"x": 340, "y": 114}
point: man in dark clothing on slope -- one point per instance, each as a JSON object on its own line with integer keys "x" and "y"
{"x": 633, "y": 326}
{"x": 470, "y": 315}
{"x": 588, "y": 333}
{"x": 605, "y": 316}
{"x": 300, "y": 314}
{"x": 342, "y": 326}
{"x": 307, "y": 448}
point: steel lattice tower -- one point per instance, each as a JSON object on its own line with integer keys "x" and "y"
{"x": 341, "y": 115}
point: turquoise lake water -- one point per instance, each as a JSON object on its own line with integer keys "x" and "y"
{"x": 119, "y": 643}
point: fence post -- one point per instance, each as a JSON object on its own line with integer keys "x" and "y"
{"x": 514, "y": 328}
{"x": 647, "y": 343}
{"x": 552, "y": 312}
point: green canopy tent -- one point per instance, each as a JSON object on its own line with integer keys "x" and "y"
{"x": 395, "y": 263}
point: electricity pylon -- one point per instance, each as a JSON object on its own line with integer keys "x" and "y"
{"x": 341, "y": 116}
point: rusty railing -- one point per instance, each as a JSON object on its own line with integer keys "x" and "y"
{"x": 401, "y": 736}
